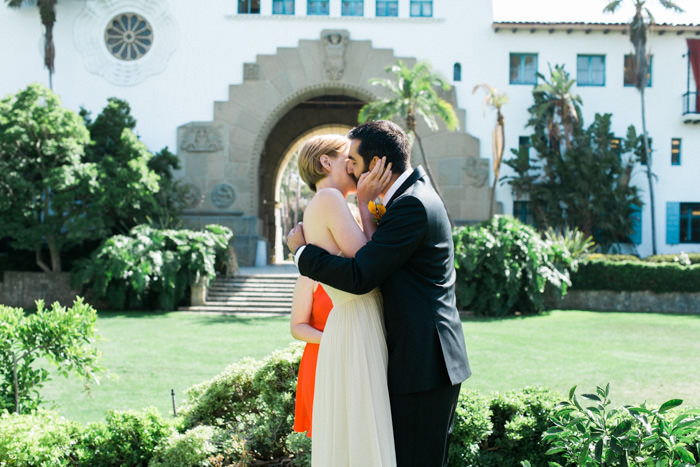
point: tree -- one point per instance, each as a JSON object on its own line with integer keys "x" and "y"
{"x": 639, "y": 26}
{"x": 579, "y": 176}
{"x": 47, "y": 14}
{"x": 128, "y": 186}
{"x": 45, "y": 187}
{"x": 495, "y": 100}
{"x": 62, "y": 336}
{"x": 413, "y": 94}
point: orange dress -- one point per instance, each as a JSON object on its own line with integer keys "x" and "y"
{"x": 307, "y": 368}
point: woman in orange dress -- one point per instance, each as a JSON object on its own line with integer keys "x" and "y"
{"x": 310, "y": 309}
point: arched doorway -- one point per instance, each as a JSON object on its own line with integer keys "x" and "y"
{"x": 233, "y": 163}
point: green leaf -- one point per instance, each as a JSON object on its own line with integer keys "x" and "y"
{"x": 668, "y": 405}
{"x": 685, "y": 454}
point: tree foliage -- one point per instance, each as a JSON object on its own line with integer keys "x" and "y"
{"x": 413, "y": 93}
{"x": 578, "y": 177}
{"x": 63, "y": 336}
{"x": 45, "y": 186}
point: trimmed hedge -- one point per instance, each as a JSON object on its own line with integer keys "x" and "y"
{"x": 636, "y": 276}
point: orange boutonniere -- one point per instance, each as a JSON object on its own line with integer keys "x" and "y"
{"x": 377, "y": 210}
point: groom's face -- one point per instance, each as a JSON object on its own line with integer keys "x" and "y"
{"x": 357, "y": 163}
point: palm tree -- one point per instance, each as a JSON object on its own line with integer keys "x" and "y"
{"x": 495, "y": 100}
{"x": 413, "y": 94}
{"x": 47, "y": 14}
{"x": 639, "y": 26}
{"x": 559, "y": 107}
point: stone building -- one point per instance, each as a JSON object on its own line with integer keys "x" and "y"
{"x": 234, "y": 86}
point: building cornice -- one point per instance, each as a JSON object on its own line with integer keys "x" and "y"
{"x": 587, "y": 28}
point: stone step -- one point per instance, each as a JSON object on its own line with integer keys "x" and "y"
{"x": 235, "y": 309}
{"x": 237, "y": 299}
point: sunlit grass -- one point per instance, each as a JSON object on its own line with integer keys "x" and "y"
{"x": 645, "y": 357}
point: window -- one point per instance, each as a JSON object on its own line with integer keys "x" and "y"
{"x": 675, "y": 151}
{"x": 524, "y": 144}
{"x": 317, "y": 7}
{"x": 690, "y": 223}
{"x": 636, "y": 220}
{"x": 615, "y": 145}
{"x": 590, "y": 70}
{"x": 352, "y": 8}
{"x": 629, "y": 70}
{"x": 523, "y": 68}
{"x": 457, "y": 72}
{"x": 387, "y": 7}
{"x": 249, "y": 7}
{"x": 522, "y": 210}
{"x": 421, "y": 7}
{"x": 642, "y": 159}
{"x": 282, "y": 7}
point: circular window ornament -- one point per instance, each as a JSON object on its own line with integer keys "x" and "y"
{"x": 128, "y": 36}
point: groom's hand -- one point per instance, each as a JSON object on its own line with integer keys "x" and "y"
{"x": 373, "y": 183}
{"x": 295, "y": 238}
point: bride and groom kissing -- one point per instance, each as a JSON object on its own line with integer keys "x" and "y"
{"x": 392, "y": 355}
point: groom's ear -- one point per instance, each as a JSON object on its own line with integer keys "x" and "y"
{"x": 372, "y": 163}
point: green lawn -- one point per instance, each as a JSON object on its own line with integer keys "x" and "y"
{"x": 648, "y": 357}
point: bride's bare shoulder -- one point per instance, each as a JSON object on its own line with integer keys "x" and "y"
{"x": 327, "y": 197}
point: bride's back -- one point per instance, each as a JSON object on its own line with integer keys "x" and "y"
{"x": 316, "y": 220}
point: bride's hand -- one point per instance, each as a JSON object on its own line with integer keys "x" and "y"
{"x": 295, "y": 238}
{"x": 373, "y": 183}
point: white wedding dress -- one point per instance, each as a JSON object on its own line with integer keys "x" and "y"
{"x": 351, "y": 414}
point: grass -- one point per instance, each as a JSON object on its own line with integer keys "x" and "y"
{"x": 645, "y": 357}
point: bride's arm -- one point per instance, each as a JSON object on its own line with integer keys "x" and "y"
{"x": 370, "y": 185}
{"x": 302, "y": 304}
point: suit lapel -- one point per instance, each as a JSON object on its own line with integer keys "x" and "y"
{"x": 417, "y": 174}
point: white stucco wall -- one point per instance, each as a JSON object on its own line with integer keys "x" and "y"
{"x": 213, "y": 43}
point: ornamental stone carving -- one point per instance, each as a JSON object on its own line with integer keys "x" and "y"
{"x": 251, "y": 71}
{"x": 334, "y": 44}
{"x": 223, "y": 195}
{"x": 477, "y": 171}
{"x": 192, "y": 195}
{"x": 125, "y": 41}
{"x": 201, "y": 138}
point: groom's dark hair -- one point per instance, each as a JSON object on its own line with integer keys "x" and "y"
{"x": 382, "y": 138}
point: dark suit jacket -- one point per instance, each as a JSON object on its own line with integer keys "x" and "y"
{"x": 411, "y": 256}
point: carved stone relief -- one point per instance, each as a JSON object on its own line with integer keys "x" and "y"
{"x": 477, "y": 171}
{"x": 251, "y": 71}
{"x": 192, "y": 196}
{"x": 223, "y": 195}
{"x": 334, "y": 44}
{"x": 201, "y": 138}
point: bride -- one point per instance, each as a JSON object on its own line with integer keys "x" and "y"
{"x": 351, "y": 413}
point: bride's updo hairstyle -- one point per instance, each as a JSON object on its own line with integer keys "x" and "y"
{"x": 310, "y": 168}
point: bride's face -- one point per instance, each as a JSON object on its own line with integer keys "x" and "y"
{"x": 341, "y": 171}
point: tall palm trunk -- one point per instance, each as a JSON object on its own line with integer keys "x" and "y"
{"x": 650, "y": 180}
{"x": 498, "y": 139}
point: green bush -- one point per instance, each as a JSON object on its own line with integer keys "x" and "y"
{"x": 636, "y": 275}
{"x": 252, "y": 402}
{"x": 152, "y": 268}
{"x": 125, "y": 438}
{"x": 613, "y": 258}
{"x": 503, "y": 267}
{"x": 471, "y": 429}
{"x": 592, "y": 434}
{"x": 191, "y": 448}
{"x": 39, "y": 439}
{"x": 687, "y": 258}
{"x": 62, "y": 336}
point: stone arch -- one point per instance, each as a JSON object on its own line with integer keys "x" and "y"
{"x": 322, "y": 81}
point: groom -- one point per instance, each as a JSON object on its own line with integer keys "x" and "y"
{"x": 411, "y": 256}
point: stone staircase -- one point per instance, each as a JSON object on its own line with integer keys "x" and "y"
{"x": 251, "y": 293}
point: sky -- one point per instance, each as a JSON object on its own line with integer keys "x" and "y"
{"x": 589, "y": 11}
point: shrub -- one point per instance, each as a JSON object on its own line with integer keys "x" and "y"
{"x": 683, "y": 259}
{"x": 592, "y": 434}
{"x": 636, "y": 275}
{"x": 503, "y": 266}
{"x": 152, "y": 268}
{"x": 191, "y": 448}
{"x": 125, "y": 438}
{"x": 63, "y": 336}
{"x": 612, "y": 258}
{"x": 42, "y": 438}
{"x": 471, "y": 429}
{"x": 252, "y": 402}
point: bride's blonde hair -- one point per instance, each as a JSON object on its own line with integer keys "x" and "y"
{"x": 310, "y": 168}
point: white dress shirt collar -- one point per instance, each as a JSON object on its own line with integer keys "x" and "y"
{"x": 396, "y": 185}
